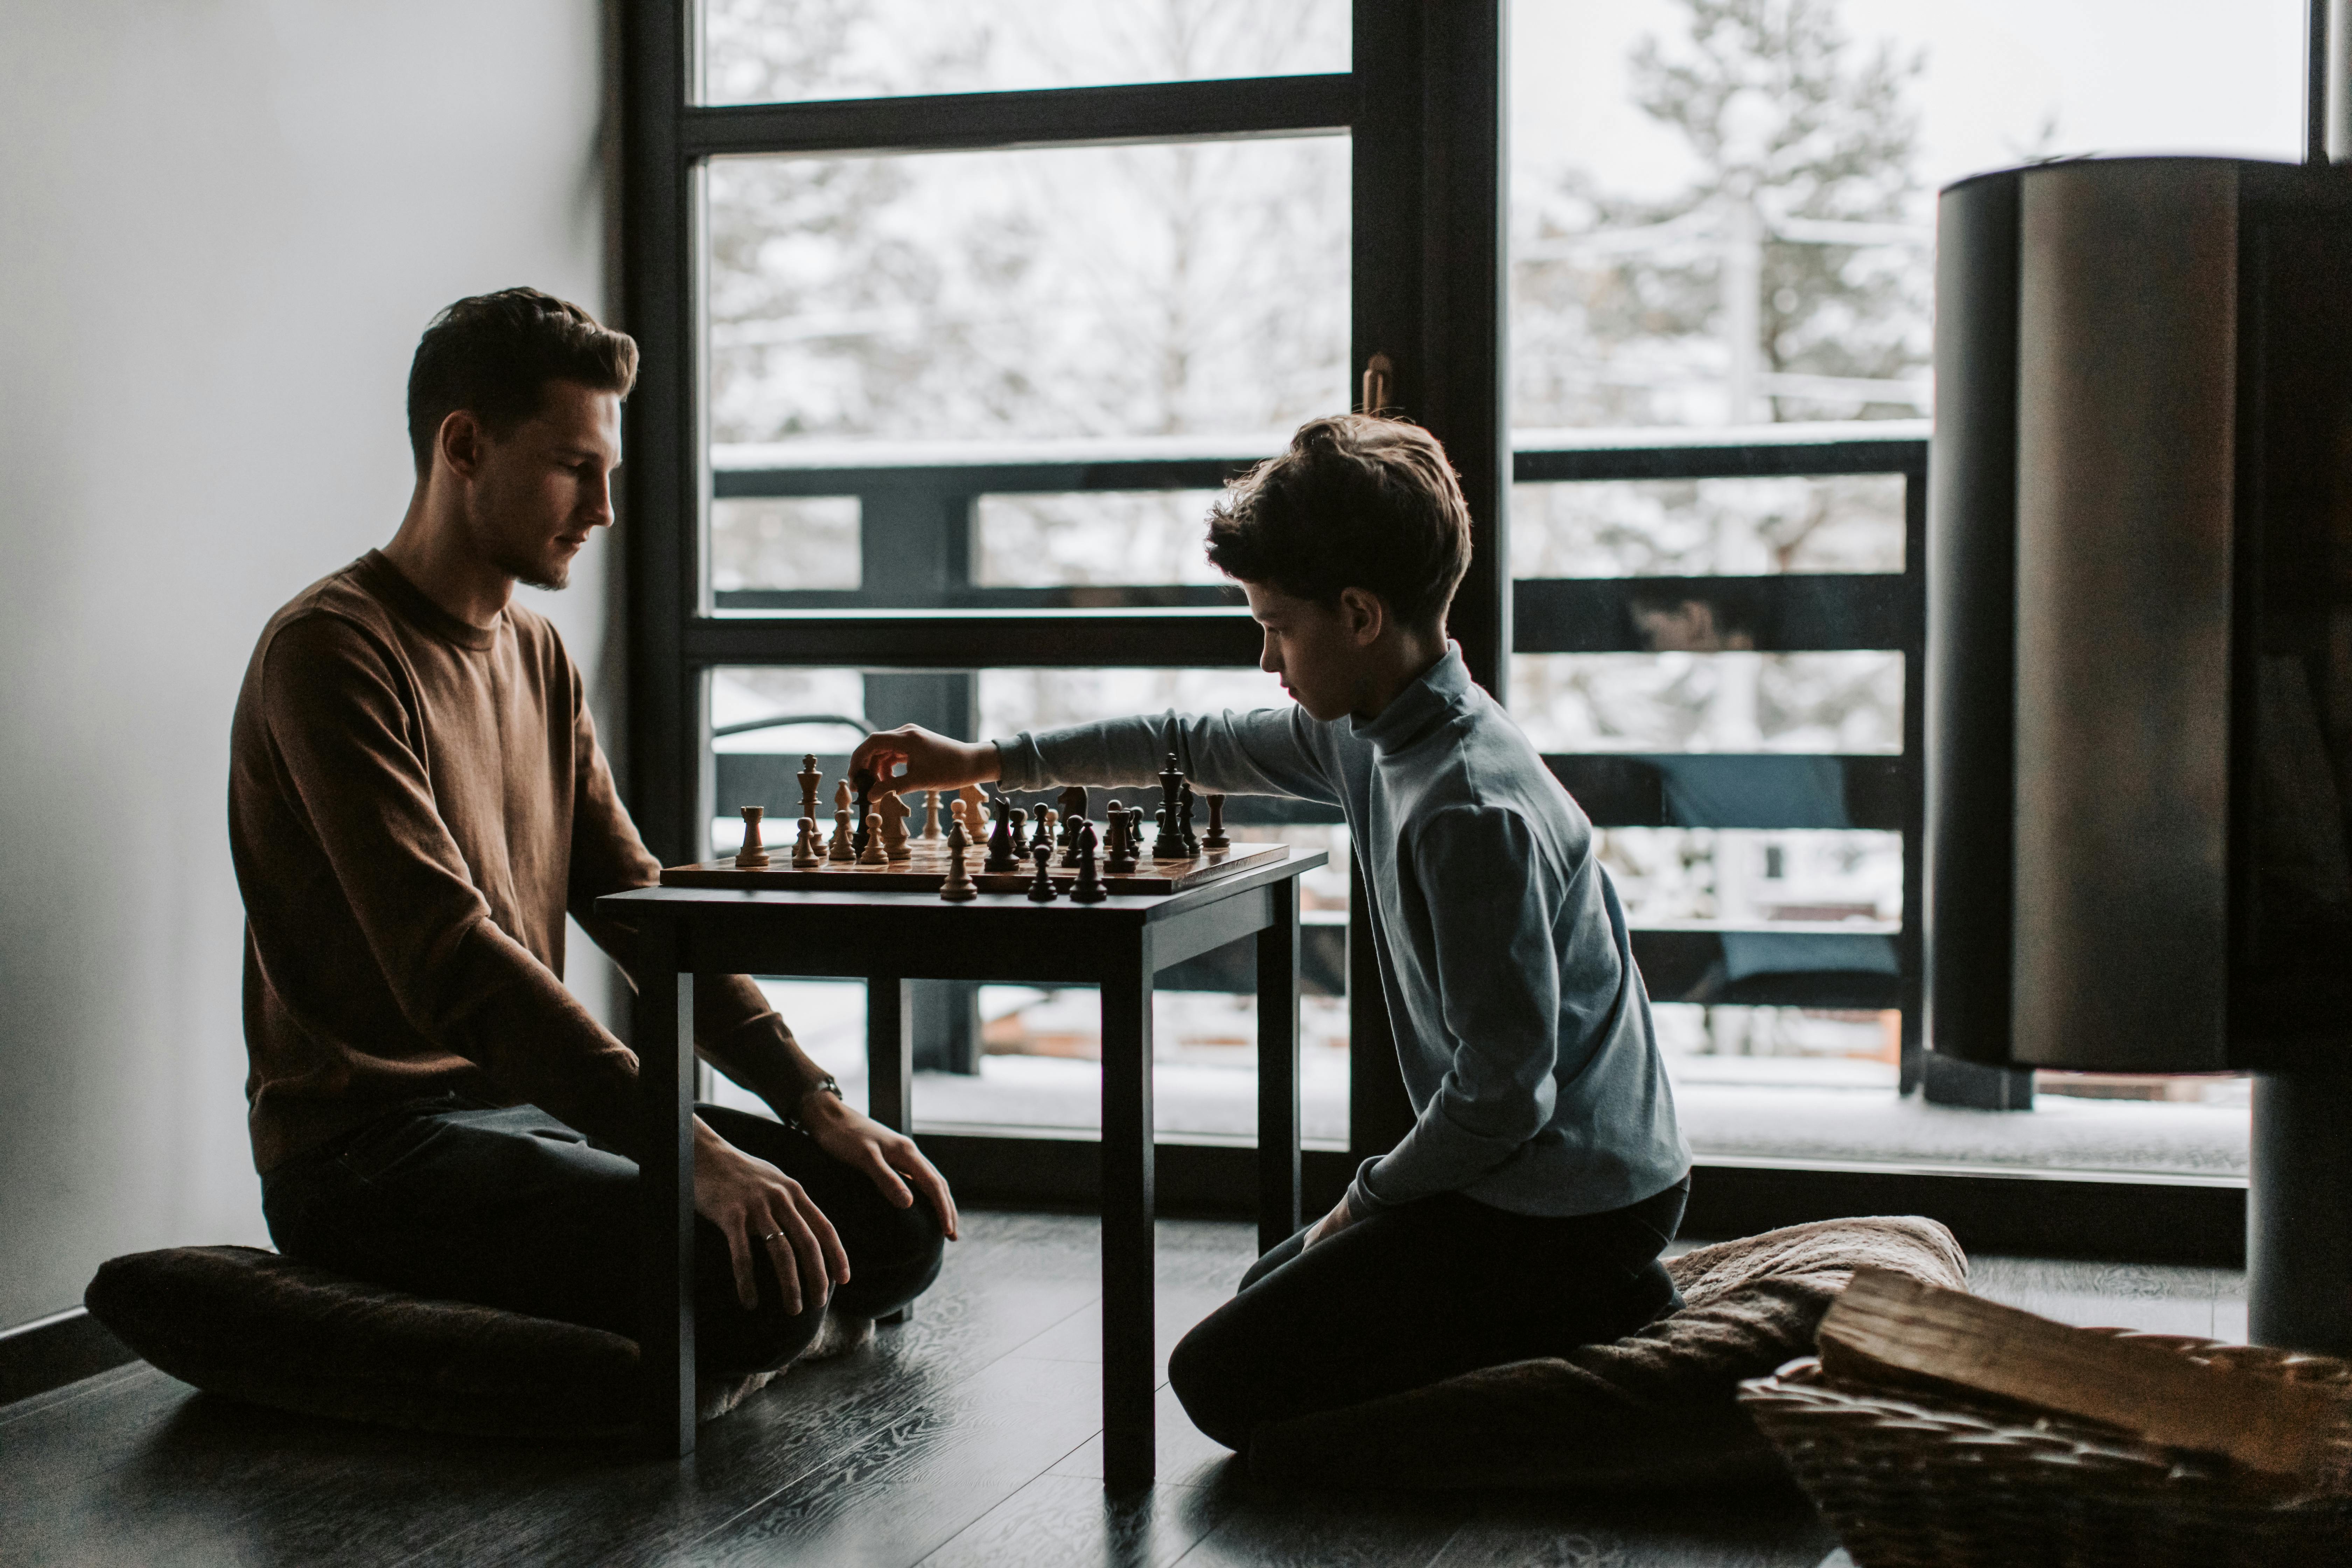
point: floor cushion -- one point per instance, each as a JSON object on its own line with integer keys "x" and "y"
{"x": 1655, "y": 1409}
{"x": 250, "y": 1324}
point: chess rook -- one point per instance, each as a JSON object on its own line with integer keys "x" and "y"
{"x": 1216, "y": 838}
{"x": 1167, "y": 841}
{"x": 753, "y": 854}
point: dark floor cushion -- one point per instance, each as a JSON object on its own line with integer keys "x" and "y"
{"x": 1655, "y": 1409}
{"x": 253, "y": 1325}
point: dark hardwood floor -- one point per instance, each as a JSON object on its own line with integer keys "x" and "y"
{"x": 966, "y": 1436}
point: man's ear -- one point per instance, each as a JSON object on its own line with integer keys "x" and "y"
{"x": 1364, "y": 616}
{"x": 459, "y": 441}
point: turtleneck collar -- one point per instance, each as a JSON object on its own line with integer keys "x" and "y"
{"x": 1420, "y": 707}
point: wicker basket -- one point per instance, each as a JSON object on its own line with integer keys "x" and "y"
{"x": 1911, "y": 1478}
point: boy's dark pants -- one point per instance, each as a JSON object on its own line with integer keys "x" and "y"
{"x": 509, "y": 1207}
{"x": 1416, "y": 1293}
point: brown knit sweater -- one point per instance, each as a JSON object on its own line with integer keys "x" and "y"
{"x": 414, "y": 805}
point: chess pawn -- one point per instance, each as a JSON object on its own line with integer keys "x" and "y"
{"x": 754, "y": 854}
{"x": 930, "y": 813}
{"x": 1167, "y": 842}
{"x": 1216, "y": 838}
{"x": 1019, "y": 833}
{"x": 959, "y": 886}
{"x": 1184, "y": 834}
{"x": 840, "y": 850}
{"x": 1090, "y": 888}
{"x": 1001, "y": 858}
{"x": 1119, "y": 856}
{"x": 1042, "y": 890}
{"x": 955, "y": 817}
{"x": 872, "y": 854}
{"x": 812, "y": 780}
{"x": 804, "y": 847}
{"x": 1043, "y": 837}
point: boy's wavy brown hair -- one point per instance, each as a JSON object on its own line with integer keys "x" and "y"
{"x": 1357, "y": 501}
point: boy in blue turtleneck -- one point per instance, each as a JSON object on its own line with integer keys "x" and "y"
{"x": 1524, "y": 1211}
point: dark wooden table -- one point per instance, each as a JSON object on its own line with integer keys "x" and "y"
{"x": 889, "y": 938}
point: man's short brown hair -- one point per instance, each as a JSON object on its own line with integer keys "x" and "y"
{"x": 1356, "y": 502}
{"x": 493, "y": 356}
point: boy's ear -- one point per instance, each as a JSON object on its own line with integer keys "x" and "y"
{"x": 1363, "y": 614}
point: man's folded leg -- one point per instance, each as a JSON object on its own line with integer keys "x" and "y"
{"x": 511, "y": 1208}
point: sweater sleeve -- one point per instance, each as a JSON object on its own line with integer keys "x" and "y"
{"x": 343, "y": 733}
{"x": 1268, "y": 750}
{"x": 730, "y": 1012}
{"x": 1491, "y": 909}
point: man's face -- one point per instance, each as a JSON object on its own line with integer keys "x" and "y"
{"x": 539, "y": 491}
{"x": 1315, "y": 649}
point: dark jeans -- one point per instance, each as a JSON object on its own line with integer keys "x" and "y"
{"x": 1416, "y": 1293}
{"x": 510, "y": 1207}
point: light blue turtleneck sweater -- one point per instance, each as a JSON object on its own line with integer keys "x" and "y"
{"x": 1520, "y": 1021}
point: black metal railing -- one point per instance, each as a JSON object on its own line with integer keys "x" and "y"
{"x": 921, "y": 623}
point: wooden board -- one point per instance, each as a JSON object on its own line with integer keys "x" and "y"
{"x": 928, "y": 871}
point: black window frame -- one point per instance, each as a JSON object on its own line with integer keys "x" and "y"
{"x": 1424, "y": 106}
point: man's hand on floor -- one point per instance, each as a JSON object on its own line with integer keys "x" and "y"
{"x": 757, "y": 1206}
{"x": 891, "y": 1158}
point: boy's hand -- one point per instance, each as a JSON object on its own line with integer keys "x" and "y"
{"x": 932, "y": 762}
{"x": 1340, "y": 1218}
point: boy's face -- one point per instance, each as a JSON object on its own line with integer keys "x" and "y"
{"x": 1318, "y": 651}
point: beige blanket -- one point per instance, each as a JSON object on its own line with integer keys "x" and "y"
{"x": 1655, "y": 1408}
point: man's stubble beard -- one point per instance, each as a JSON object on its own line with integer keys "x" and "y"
{"x": 548, "y": 577}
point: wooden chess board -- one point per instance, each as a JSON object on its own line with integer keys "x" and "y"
{"x": 928, "y": 870}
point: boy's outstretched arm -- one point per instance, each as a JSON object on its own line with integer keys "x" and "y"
{"x": 1269, "y": 750}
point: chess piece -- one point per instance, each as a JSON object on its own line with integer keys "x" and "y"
{"x": 1074, "y": 824}
{"x": 959, "y": 886}
{"x": 1167, "y": 844}
{"x": 1118, "y": 858}
{"x": 1001, "y": 858}
{"x": 1019, "y": 833}
{"x": 892, "y": 813}
{"x": 805, "y": 854}
{"x": 863, "y": 820}
{"x": 871, "y": 854}
{"x": 1184, "y": 834}
{"x": 1216, "y": 838}
{"x": 931, "y": 814}
{"x": 956, "y": 818}
{"x": 975, "y": 809}
{"x": 1042, "y": 890}
{"x": 840, "y": 850}
{"x": 1090, "y": 888}
{"x": 1043, "y": 837}
{"x": 812, "y": 780}
{"x": 754, "y": 854}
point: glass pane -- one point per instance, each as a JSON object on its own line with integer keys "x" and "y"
{"x": 773, "y": 50}
{"x": 1848, "y": 702}
{"x": 1134, "y": 294}
{"x": 1641, "y": 528}
{"x": 1723, "y": 215}
{"x": 1748, "y": 877}
{"x": 1090, "y": 537}
{"x": 786, "y": 541}
{"x": 1031, "y": 1060}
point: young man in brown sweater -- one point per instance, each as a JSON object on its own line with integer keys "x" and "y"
{"x": 416, "y": 799}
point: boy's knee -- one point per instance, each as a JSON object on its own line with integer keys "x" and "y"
{"x": 1209, "y": 1385}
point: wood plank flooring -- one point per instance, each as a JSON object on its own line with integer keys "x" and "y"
{"x": 969, "y": 1436}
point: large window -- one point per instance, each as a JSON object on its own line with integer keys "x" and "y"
{"x": 957, "y": 316}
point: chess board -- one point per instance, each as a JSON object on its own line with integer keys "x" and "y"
{"x": 928, "y": 870}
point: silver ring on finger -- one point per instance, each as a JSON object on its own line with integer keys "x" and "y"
{"x": 771, "y": 1235}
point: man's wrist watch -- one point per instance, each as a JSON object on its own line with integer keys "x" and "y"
{"x": 828, "y": 1084}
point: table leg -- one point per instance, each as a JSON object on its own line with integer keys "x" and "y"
{"x": 664, "y": 1030}
{"x": 1277, "y": 1070}
{"x": 1130, "y": 1362}
{"x": 890, "y": 1066}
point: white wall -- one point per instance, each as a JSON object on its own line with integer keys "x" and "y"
{"x": 221, "y": 227}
